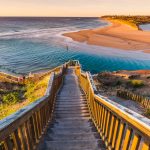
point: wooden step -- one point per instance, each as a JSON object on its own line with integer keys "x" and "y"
{"x": 71, "y": 108}
{"x": 71, "y": 130}
{"x": 70, "y": 102}
{"x": 73, "y": 136}
{"x": 64, "y": 111}
{"x": 74, "y": 145}
{"x": 71, "y": 116}
{"x": 77, "y": 128}
{"x": 70, "y": 105}
{"x": 73, "y": 124}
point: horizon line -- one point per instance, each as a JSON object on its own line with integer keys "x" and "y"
{"x": 50, "y": 17}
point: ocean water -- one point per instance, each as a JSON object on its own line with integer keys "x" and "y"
{"x": 34, "y": 44}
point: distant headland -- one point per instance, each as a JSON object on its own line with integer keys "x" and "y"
{"x": 133, "y": 21}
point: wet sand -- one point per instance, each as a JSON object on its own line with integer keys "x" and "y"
{"x": 118, "y": 35}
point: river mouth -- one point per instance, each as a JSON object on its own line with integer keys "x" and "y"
{"x": 145, "y": 27}
{"x": 29, "y": 45}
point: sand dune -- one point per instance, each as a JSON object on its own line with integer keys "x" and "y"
{"x": 118, "y": 35}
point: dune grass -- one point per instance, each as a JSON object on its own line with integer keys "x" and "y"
{"x": 36, "y": 89}
{"x": 128, "y": 22}
{"x": 136, "y": 83}
{"x": 147, "y": 113}
{"x": 32, "y": 90}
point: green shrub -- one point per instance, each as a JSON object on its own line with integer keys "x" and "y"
{"x": 36, "y": 89}
{"x": 148, "y": 113}
{"x": 11, "y": 98}
{"x": 148, "y": 77}
{"x": 136, "y": 83}
{"x": 118, "y": 83}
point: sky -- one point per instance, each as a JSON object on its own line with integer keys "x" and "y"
{"x": 73, "y": 8}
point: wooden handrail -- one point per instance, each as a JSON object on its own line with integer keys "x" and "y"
{"x": 9, "y": 77}
{"x": 24, "y": 129}
{"x": 119, "y": 127}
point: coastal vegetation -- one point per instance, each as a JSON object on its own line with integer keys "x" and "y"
{"x": 11, "y": 98}
{"x": 14, "y": 96}
{"x": 147, "y": 113}
{"x": 133, "y": 21}
{"x": 36, "y": 88}
{"x": 133, "y": 82}
{"x": 136, "y": 83}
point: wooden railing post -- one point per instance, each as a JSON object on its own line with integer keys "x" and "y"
{"x": 128, "y": 95}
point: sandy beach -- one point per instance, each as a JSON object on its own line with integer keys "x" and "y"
{"x": 117, "y": 35}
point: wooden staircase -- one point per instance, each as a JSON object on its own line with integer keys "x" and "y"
{"x": 73, "y": 120}
{"x": 72, "y": 127}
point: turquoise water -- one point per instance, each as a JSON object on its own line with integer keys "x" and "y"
{"x": 28, "y": 45}
{"x": 145, "y": 27}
